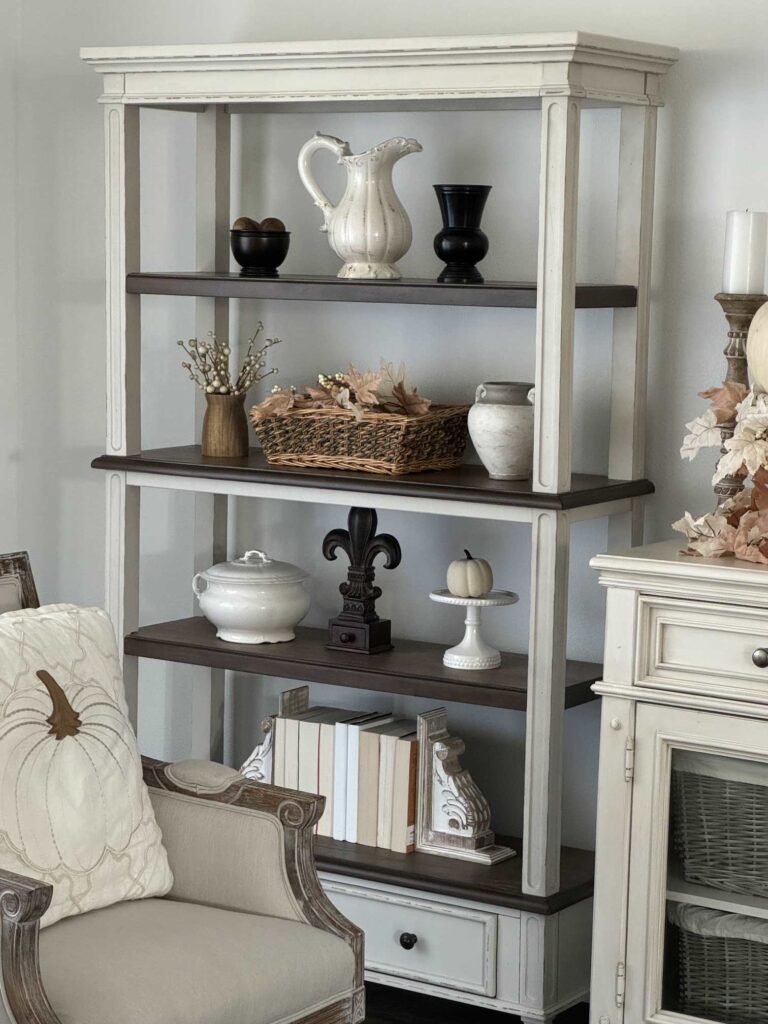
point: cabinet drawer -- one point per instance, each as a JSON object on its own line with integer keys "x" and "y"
{"x": 702, "y": 647}
{"x": 455, "y": 947}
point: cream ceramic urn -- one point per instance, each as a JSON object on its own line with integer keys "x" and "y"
{"x": 501, "y": 428}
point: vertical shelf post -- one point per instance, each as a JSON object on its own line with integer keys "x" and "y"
{"x": 121, "y": 124}
{"x": 558, "y": 197}
{"x": 556, "y": 278}
{"x": 634, "y": 228}
{"x": 550, "y": 533}
{"x": 213, "y": 149}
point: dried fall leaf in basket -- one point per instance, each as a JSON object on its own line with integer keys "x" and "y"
{"x": 357, "y": 392}
{"x": 368, "y": 421}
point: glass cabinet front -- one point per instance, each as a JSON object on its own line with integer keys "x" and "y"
{"x": 697, "y": 943}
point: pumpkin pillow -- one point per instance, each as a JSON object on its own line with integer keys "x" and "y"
{"x": 74, "y": 810}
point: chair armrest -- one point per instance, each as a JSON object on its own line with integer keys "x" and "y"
{"x": 23, "y": 901}
{"x": 206, "y": 809}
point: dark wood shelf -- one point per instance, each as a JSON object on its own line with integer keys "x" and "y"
{"x": 500, "y": 884}
{"x": 467, "y": 483}
{"x": 413, "y": 668}
{"x": 505, "y": 294}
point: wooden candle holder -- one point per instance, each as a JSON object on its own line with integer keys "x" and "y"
{"x": 739, "y": 311}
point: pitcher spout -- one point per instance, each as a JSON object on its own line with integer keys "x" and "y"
{"x": 389, "y": 151}
{"x": 401, "y": 146}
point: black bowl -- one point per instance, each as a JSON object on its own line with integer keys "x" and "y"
{"x": 259, "y": 253}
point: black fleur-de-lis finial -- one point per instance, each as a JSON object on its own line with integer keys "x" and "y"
{"x": 358, "y": 627}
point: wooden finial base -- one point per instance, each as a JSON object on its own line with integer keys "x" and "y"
{"x": 739, "y": 311}
{"x": 358, "y": 627}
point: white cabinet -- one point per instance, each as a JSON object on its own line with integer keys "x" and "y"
{"x": 681, "y": 898}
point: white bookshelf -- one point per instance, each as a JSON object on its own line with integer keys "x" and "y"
{"x": 535, "y": 950}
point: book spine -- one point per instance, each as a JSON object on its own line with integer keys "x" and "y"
{"x": 353, "y": 756}
{"x": 339, "y": 830}
{"x": 278, "y": 752}
{"x": 291, "y": 771}
{"x": 405, "y": 796}
{"x": 413, "y": 796}
{"x": 368, "y": 788}
{"x": 386, "y": 792}
{"x": 325, "y": 786}
{"x": 309, "y": 742}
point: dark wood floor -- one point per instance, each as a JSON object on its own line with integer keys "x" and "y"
{"x": 396, "y": 1006}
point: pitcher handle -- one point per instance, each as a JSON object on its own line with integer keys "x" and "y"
{"x": 481, "y": 392}
{"x": 307, "y": 151}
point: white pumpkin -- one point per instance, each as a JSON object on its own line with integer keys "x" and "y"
{"x": 62, "y": 760}
{"x": 470, "y": 577}
{"x": 757, "y": 349}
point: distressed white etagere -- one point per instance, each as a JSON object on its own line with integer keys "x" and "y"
{"x": 532, "y": 948}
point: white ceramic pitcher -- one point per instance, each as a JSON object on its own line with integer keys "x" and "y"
{"x": 369, "y": 228}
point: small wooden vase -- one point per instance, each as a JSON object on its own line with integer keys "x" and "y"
{"x": 225, "y": 427}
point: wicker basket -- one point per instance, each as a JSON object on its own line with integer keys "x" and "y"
{"x": 720, "y": 822}
{"x": 380, "y": 442}
{"x": 722, "y": 964}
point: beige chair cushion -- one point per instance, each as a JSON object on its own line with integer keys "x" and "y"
{"x": 74, "y": 810}
{"x": 163, "y": 962}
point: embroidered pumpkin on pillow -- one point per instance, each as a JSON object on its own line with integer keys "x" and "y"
{"x": 74, "y": 810}
{"x": 45, "y": 741}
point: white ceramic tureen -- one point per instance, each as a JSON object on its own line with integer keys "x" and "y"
{"x": 253, "y": 599}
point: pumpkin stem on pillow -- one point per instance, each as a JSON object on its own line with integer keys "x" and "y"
{"x": 469, "y": 557}
{"x": 64, "y": 720}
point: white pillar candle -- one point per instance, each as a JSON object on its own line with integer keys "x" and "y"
{"x": 746, "y": 237}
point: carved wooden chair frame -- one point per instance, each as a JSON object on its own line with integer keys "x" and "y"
{"x": 23, "y": 900}
{"x": 17, "y": 564}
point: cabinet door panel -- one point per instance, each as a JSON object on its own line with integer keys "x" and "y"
{"x": 697, "y": 906}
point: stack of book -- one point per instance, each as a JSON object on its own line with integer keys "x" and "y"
{"x": 364, "y": 764}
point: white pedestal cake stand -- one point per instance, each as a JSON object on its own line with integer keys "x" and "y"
{"x": 474, "y": 652}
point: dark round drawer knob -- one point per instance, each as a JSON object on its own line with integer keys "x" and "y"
{"x": 760, "y": 657}
{"x": 408, "y": 940}
{"x": 347, "y": 638}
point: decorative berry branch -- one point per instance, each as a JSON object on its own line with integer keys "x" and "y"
{"x": 208, "y": 364}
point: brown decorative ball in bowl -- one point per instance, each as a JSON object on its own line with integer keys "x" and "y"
{"x": 259, "y": 253}
{"x": 259, "y": 248}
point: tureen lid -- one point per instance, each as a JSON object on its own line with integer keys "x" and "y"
{"x": 255, "y": 567}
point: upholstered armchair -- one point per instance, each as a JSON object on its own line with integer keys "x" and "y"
{"x": 246, "y": 935}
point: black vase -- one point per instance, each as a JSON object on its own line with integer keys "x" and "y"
{"x": 461, "y": 244}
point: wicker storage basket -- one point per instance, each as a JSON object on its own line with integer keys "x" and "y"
{"x": 720, "y": 822}
{"x": 723, "y": 964}
{"x": 381, "y": 442}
